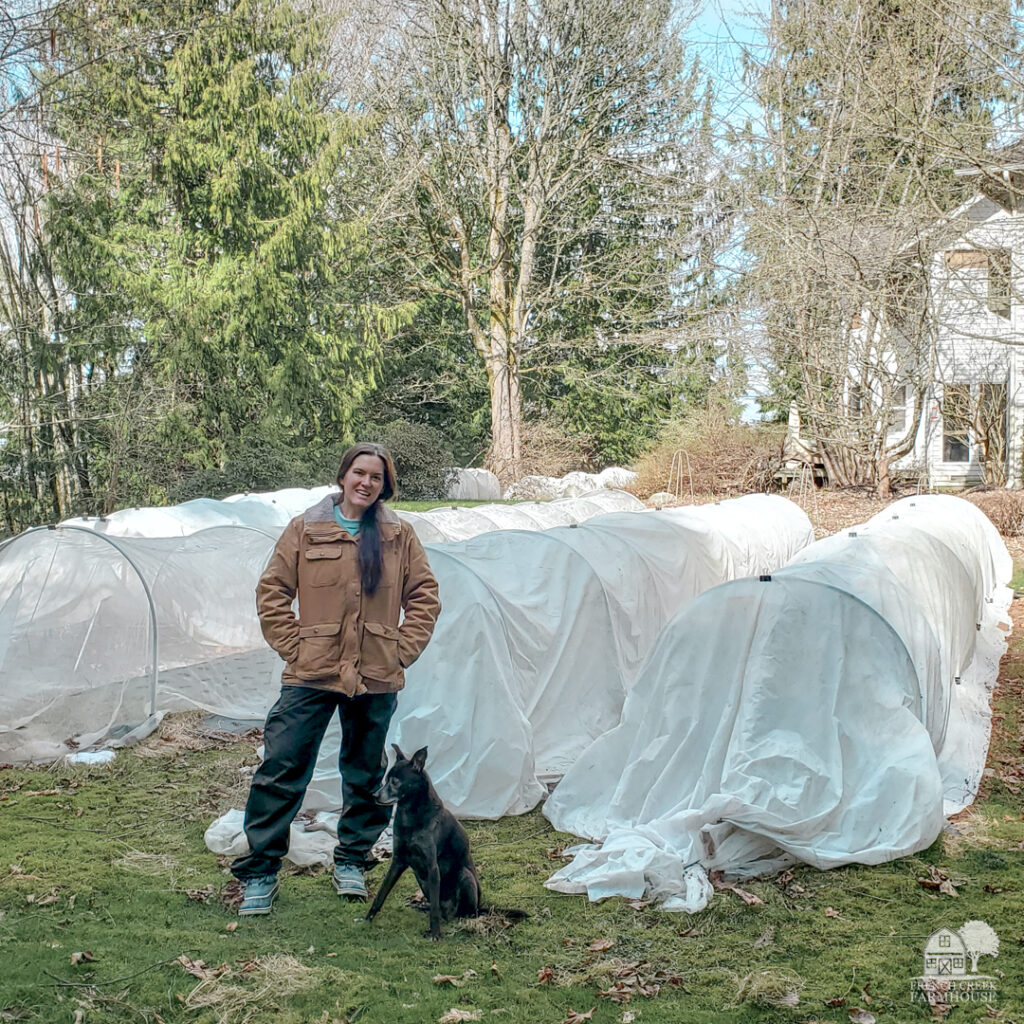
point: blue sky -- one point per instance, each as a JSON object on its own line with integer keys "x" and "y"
{"x": 719, "y": 33}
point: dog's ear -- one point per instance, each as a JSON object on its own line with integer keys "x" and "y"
{"x": 398, "y": 752}
{"x": 419, "y": 759}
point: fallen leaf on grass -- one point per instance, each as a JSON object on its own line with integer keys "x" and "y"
{"x": 935, "y": 991}
{"x": 838, "y": 1001}
{"x": 832, "y": 912}
{"x": 82, "y": 957}
{"x": 600, "y": 945}
{"x": 748, "y": 897}
{"x": 628, "y": 1016}
{"x": 231, "y": 926}
{"x": 231, "y": 894}
{"x": 545, "y": 976}
{"x": 859, "y": 1016}
{"x": 455, "y": 1015}
{"x": 637, "y": 979}
{"x": 43, "y": 901}
{"x": 640, "y": 904}
{"x": 577, "y": 1018}
{"x": 200, "y": 895}
{"x": 198, "y": 968}
{"x": 937, "y": 879}
{"x": 447, "y": 979}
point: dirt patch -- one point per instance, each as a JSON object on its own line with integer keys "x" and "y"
{"x": 831, "y": 511}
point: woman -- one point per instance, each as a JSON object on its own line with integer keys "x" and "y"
{"x": 355, "y": 567}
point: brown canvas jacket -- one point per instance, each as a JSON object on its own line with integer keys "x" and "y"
{"x": 344, "y": 639}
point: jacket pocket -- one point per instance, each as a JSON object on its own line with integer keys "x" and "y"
{"x": 319, "y": 651}
{"x": 378, "y": 653}
{"x": 322, "y": 565}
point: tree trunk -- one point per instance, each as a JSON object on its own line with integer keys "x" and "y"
{"x": 883, "y": 484}
{"x": 505, "y": 457}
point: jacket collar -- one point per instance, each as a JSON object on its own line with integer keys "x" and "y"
{"x": 323, "y": 512}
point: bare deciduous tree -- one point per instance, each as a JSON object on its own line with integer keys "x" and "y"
{"x": 533, "y": 164}
{"x": 869, "y": 108}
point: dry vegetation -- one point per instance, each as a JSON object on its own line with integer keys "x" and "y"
{"x": 707, "y": 456}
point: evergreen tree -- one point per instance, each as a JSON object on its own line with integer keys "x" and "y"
{"x": 202, "y": 225}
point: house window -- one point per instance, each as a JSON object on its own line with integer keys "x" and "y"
{"x": 999, "y": 282}
{"x": 956, "y": 410}
{"x": 967, "y": 259}
{"x": 898, "y": 409}
{"x": 999, "y": 277}
{"x": 944, "y": 941}
{"x": 858, "y": 402}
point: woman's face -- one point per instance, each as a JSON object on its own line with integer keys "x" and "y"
{"x": 362, "y": 483}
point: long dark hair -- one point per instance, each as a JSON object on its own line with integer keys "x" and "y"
{"x": 371, "y": 563}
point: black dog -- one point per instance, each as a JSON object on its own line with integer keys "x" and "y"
{"x": 429, "y": 840}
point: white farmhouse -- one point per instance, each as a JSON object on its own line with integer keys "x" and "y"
{"x": 973, "y": 412}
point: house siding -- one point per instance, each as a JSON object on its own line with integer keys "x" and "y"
{"x": 973, "y": 344}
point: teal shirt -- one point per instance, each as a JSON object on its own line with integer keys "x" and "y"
{"x": 349, "y": 525}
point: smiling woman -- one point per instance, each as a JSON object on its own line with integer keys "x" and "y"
{"x": 355, "y": 568}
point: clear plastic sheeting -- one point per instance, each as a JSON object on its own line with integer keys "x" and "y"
{"x": 541, "y": 634}
{"x": 81, "y": 617}
{"x": 272, "y": 512}
{"x": 831, "y": 714}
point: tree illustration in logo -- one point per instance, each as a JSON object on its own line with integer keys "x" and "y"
{"x": 979, "y": 940}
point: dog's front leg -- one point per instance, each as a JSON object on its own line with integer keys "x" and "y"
{"x": 434, "y": 896}
{"x": 395, "y": 870}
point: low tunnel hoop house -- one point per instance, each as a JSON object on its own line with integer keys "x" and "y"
{"x": 113, "y": 541}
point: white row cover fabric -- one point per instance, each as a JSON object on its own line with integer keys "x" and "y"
{"x": 542, "y": 634}
{"x": 82, "y": 605}
{"x": 272, "y": 511}
{"x": 461, "y": 523}
{"x": 572, "y": 485}
{"x": 473, "y": 485}
{"x": 824, "y": 715}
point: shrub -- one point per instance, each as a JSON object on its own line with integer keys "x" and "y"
{"x": 422, "y": 458}
{"x": 1005, "y": 509}
{"x": 549, "y": 449}
{"x": 712, "y": 455}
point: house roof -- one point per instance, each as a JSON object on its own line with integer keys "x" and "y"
{"x": 999, "y": 174}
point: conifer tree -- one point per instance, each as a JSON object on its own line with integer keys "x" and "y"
{"x": 201, "y": 226}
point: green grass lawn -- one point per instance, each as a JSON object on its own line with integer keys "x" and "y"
{"x": 105, "y": 883}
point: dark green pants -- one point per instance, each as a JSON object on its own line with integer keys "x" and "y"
{"x": 295, "y": 726}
